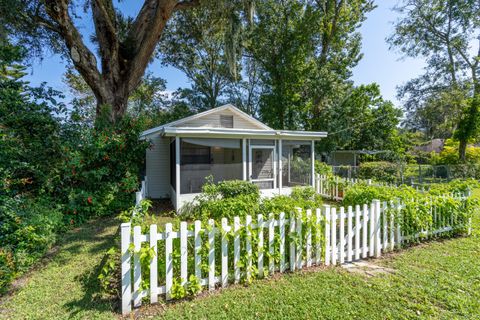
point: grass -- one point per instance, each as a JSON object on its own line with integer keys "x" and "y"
{"x": 435, "y": 280}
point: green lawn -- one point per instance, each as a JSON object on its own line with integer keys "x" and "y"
{"x": 437, "y": 280}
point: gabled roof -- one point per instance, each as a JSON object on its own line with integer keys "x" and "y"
{"x": 232, "y": 108}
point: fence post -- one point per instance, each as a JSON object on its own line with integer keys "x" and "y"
{"x": 326, "y": 209}
{"x": 125, "y": 234}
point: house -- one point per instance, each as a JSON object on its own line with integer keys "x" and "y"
{"x": 226, "y": 144}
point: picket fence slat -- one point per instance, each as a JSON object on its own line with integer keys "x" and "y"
{"x": 349, "y": 234}
{"x": 365, "y": 231}
{"x": 153, "y": 265}
{"x": 358, "y": 228}
{"x": 318, "y": 245}
{"x": 236, "y": 249}
{"x": 372, "y": 219}
{"x": 260, "y": 247}
{"x": 292, "y": 263}
{"x": 168, "y": 260}
{"x": 309, "y": 238}
{"x": 137, "y": 272}
{"x": 329, "y": 235}
{"x": 248, "y": 246}
{"x": 282, "y": 241}
{"x": 333, "y": 240}
{"x": 342, "y": 235}
{"x": 183, "y": 252}
{"x": 299, "y": 247}
{"x": 271, "y": 238}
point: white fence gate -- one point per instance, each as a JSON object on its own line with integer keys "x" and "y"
{"x": 346, "y": 234}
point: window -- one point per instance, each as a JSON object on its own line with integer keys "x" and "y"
{"x": 226, "y": 121}
{"x": 195, "y": 154}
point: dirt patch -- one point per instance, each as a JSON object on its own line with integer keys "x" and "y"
{"x": 367, "y": 268}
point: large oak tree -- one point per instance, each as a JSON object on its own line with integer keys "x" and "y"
{"x": 125, "y": 45}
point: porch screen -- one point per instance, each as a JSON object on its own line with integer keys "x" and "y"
{"x": 220, "y": 159}
{"x": 296, "y": 163}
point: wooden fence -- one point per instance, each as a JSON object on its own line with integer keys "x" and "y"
{"x": 242, "y": 249}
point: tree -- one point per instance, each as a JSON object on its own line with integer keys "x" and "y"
{"x": 361, "y": 121}
{"x": 148, "y": 102}
{"x": 307, "y": 52}
{"x": 200, "y": 53}
{"x": 125, "y": 44}
{"x": 443, "y": 32}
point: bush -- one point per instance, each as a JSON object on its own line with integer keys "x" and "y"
{"x": 27, "y": 231}
{"x": 380, "y": 170}
{"x": 323, "y": 169}
{"x": 228, "y": 199}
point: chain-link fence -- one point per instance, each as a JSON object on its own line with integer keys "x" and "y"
{"x": 410, "y": 174}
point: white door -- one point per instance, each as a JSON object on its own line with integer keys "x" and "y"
{"x": 262, "y": 166}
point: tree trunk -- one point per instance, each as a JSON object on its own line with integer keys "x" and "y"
{"x": 123, "y": 60}
{"x": 462, "y": 150}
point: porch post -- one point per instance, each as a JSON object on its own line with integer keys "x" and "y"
{"x": 177, "y": 173}
{"x": 280, "y": 171}
{"x": 313, "y": 163}
{"x": 244, "y": 159}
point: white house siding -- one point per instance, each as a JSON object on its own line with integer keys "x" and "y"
{"x": 158, "y": 168}
{"x": 213, "y": 121}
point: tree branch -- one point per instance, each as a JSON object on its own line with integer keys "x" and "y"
{"x": 182, "y": 5}
{"x": 83, "y": 59}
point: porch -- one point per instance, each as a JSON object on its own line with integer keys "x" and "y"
{"x": 274, "y": 164}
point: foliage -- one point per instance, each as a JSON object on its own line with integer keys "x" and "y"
{"x": 415, "y": 213}
{"x": 28, "y": 229}
{"x": 449, "y": 154}
{"x": 442, "y": 32}
{"x": 225, "y": 199}
{"x": 379, "y": 170}
{"x": 228, "y": 199}
{"x": 109, "y": 274}
{"x": 418, "y": 273}
{"x": 323, "y": 169}
{"x": 55, "y": 172}
{"x": 361, "y": 120}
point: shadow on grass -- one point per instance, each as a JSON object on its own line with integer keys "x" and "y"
{"x": 99, "y": 241}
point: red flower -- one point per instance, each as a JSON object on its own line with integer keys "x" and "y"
{"x": 89, "y": 200}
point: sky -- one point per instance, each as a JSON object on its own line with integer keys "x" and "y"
{"x": 379, "y": 64}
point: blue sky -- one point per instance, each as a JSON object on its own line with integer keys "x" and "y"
{"x": 379, "y": 64}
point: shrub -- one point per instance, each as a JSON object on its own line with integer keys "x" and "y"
{"x": 323, "y": 169}
{"x": 380, "y": 170}
{"x": 27, "y": 229}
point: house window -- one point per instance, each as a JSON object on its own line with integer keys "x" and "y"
{"x": 195, "y": 154}
{"x": 226, "y": 121}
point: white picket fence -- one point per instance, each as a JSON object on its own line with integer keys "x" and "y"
{"x": 348, "y": 234}
{"x": 335, "y": 187}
